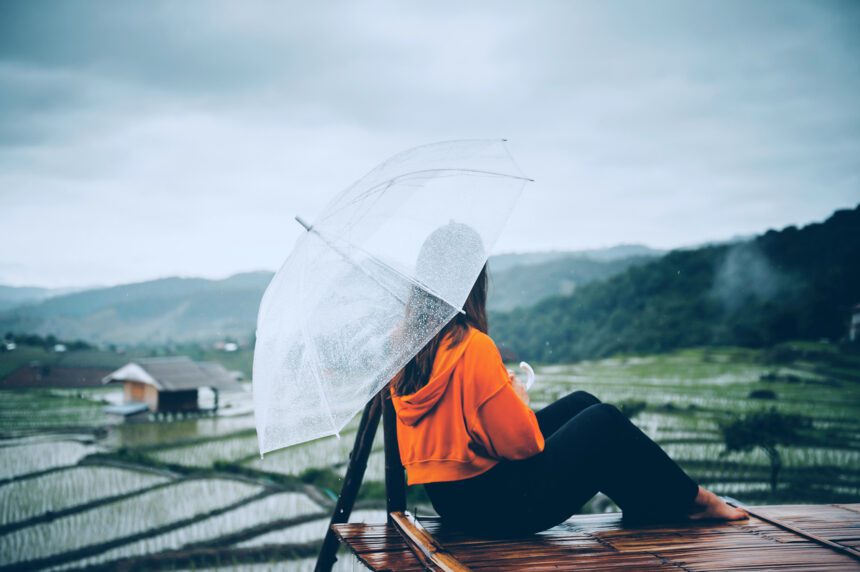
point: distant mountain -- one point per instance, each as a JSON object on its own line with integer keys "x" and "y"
{"x": 198, "y": 309}
{"x": 158, "y": 311}
{"x": 791, "y": 284}
{"x": 528, "y": 284}
{"x": 547, "y": 306}
{"x": 13, "y": 296}
{"x": 502, "y": 262}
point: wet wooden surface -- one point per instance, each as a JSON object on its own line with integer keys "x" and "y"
{"x": 601, "y": 542}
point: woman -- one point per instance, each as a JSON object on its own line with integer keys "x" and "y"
{"x": 492, "y": 466}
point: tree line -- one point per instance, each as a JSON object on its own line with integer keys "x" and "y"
{"x": 790, "y": 284}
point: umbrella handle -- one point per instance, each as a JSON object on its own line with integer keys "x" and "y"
{"x": 530, "y": 374}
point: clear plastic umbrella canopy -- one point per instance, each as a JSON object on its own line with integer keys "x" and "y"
{"x": 385, "y": 266}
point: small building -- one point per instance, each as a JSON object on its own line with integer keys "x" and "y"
{"x": 170, "y": 384}
{"x": 854, "y": 331}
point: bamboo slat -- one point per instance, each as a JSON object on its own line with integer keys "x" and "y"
{"x": 845, "y": 549}
{"x": 427, "y": 550}
{"x": 602, "y": 542}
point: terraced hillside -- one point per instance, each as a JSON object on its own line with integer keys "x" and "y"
{"x": 688, "y": 393}
{"x": 78, "y": 491}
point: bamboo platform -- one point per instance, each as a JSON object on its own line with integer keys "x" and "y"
{"x": 601, "y": 542}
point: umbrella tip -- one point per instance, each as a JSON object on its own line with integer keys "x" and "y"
{"x": 302, "y": 222}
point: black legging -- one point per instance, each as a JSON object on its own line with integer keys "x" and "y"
{"x": 590, "y": 447}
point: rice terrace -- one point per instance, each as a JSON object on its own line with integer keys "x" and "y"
{"x": 191, "y": 493}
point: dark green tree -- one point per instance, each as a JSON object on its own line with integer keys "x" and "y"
{"x": 766, "y": 429}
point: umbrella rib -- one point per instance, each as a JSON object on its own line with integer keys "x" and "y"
{"x": 388, "y": 182}
{"x": 351, "y": 261}
{"x": 414, "y": 281}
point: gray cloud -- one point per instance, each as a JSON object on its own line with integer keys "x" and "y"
{"x": 144, "y": 139}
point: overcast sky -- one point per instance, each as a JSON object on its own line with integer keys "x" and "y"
{"x": 146, "y": 139}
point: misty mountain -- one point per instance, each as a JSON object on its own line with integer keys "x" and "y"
{"x": 169, "y": 309}
{"x": 791, "y": 284}
{"x": 525, "y": 285}
{"x": 13, "y": 296}
{"x": 503, "y": 262}
{"x": 549, "y": 306}
{"x": 199, "y": 309}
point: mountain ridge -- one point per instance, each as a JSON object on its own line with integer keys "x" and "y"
{"x": 181, "y": 309}
{"x": 788, "y": 284}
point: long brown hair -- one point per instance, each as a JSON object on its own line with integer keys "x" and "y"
{"x": 416, "y": 373}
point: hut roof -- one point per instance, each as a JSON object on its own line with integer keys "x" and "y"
{"x": 178, "y": 373}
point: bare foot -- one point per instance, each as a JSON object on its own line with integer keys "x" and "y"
{"x": 710, "y": 505}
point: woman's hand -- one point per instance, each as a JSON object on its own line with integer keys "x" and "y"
{"x": 519, "y": 387}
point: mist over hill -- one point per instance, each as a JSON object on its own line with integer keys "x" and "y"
{"x": 791, "y": 284}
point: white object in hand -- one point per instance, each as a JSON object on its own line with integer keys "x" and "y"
{"x": 530, "y": 374}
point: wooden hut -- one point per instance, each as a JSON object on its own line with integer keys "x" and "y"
{"x": 170, "y": 384}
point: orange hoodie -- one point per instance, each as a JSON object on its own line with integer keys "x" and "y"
{"x": 466, "y": 418}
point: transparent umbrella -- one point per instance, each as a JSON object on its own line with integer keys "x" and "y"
{"x": 385, "y": 266}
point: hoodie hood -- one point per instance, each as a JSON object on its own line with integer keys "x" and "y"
{"x": 413, "y": 407}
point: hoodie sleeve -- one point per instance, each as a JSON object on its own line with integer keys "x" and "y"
{"x": 501, "y": 423}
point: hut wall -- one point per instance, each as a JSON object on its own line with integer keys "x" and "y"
{"x": 138, "y": 391}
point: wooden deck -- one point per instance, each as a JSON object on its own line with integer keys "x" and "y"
{"x": 600, "y": 542}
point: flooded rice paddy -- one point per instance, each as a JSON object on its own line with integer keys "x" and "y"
{"x": 17, "y": 460}
{"x": 253, "y": 514}
{"x": 80, "y": 490}
{"x": 60, "y": 490}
